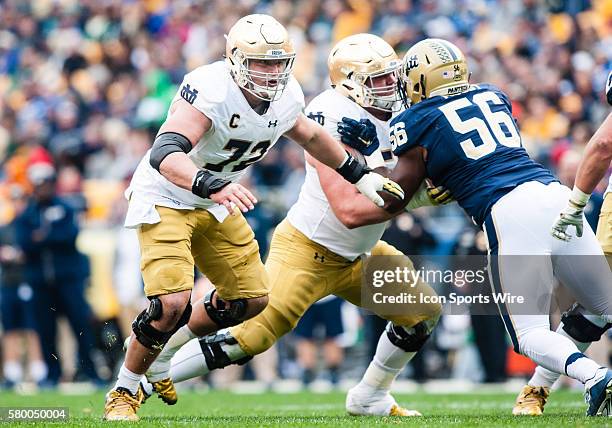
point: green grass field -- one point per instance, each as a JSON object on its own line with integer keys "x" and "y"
{"x": 224, "y": 409}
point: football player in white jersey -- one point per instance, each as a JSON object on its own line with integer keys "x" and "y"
{"x": 316, "y": 251}
{"x": 183, "y": 196}
{"x": 582, "y": 328}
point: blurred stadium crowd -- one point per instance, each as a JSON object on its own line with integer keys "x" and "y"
{"x": 84, "y": 86}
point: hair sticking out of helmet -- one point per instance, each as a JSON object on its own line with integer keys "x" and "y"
{"x": 433, "y": 67}
{"x": 260, "y": 56}
{"x": 365, "y": 68}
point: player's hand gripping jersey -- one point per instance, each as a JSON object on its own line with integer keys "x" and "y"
{"x": 311, "y": 214}
{"x": 473, "y": 146}
{"x": 238, "y": 138}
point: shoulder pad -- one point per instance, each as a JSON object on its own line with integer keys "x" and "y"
{"x": 205, "y": 85}
{"x": 294, "y": 92}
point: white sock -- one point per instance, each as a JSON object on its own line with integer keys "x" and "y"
{"x": 580, "y": 367}
{"x": 387, "y": 363}
{"x": 128, "y": 380}
{"x": 13, "y": 371}
{"x": 37, "y": 370}
{"x": 189, "y": 362}
{"x": 557, "y": 353}
{"x": 158, "y": 370}
{"x": 545, "y": 377}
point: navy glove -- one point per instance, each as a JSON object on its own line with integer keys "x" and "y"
{"x": 360, "y": 135}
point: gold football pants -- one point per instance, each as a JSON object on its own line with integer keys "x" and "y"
{"x": 300, "y": 273}
{"x": 227, "y": 253}
{"x": 604, "y": 228}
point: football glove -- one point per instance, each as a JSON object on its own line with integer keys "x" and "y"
{"x": 371, "y": 183}
{"x": 571, "y": 216}
{"x": 609, "y": 88}
{"x": 438, "y": 195}
{"x": 360, "y": 135}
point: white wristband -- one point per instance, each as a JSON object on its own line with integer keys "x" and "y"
{"x": 578, "y": 197}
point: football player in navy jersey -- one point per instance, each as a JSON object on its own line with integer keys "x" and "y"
{"x": 463, "y": 137}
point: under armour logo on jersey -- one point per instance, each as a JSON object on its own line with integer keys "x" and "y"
{"x": 271, "y": 124}
{"x": 317, "y": 257}
{"x": 189, "y": 94}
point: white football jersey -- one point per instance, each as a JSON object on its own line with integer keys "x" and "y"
{"x": 311, "y": 214}
{"x": 238, "y": 138}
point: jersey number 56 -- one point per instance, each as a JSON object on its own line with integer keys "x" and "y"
{"x": 508, "y": 137}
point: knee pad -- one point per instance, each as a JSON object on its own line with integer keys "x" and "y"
{"x": 227, "y": 312}
{"x": 576, "y": 325}
{"x": 149, "y": 336}
{"x": 215, "y": 350}
{"x": 409, "y": 339}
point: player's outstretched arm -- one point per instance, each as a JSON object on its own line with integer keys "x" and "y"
{"x": 322, "y": 146}
{"x": 596, "y": 158}
{"x": 348, "y": 205}
{"x": 592, "y": 168}
{"x": 180, "y": 132}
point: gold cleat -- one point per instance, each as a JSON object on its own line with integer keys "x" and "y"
{"x": 166, "y": 391}
{"x": 400, "y": 411}
{"x": 531, "y": 401}
{"x": 121, "y": 405}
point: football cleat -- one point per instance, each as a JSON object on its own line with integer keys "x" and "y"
{"x": 165, "y": 391}
{"x": 121, "y": 405}
{"x": 531, "y": 401}
{"x": 598, "y": 395}
{"x": 361, "y": 402}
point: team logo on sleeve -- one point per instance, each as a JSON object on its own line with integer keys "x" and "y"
{"x": 189, "y": 94}
{"x": 317, "y": 117}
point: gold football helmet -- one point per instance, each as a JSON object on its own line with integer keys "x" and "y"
{"x": 433, "y": 67}
{"x": 259, "y": 38}
{"x": 358, "y": 59}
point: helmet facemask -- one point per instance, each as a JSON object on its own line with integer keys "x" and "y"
{"x": 271, "y": 85}
{"x": 385, "y": 98}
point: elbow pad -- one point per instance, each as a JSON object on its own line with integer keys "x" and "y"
{"x": 166, "y": 143}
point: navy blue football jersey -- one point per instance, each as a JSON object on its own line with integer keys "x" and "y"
{"x": 473, "y": 146}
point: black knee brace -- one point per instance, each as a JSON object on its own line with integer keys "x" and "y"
{"x": 227, "y": 312}
{"x": 212, "y": 348}
{"x": 409, "y": 339}
{"x": 581, "y": 329}
{"x": 149, "y": 336}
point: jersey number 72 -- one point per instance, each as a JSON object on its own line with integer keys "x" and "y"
{"x": 495, "y": 120}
